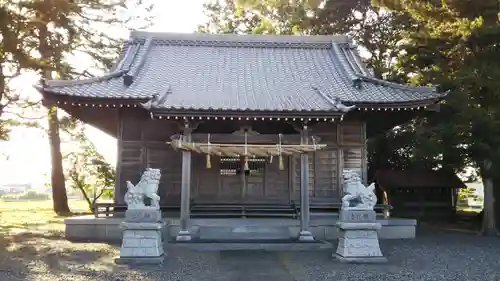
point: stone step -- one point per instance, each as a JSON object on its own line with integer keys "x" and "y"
{"x": 257, "y": 245}
{"x": 248, "y": 211}
{"x": 245, "y": 233}
{"x": 240, "y": 215}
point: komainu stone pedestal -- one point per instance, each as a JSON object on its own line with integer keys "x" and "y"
{"x": 358, "y": 238}
{"x": 142, "y": 237}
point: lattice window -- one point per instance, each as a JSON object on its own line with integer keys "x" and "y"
{"x": 232, "y": 166}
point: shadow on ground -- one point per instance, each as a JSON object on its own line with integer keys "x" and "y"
{"x": 33, "y": 247}
{"x": 32, "y": 242}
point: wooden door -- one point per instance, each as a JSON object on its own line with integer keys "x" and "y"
{"x": 231, "y": 184}
{"x": 253, "y": 185}
{"x": 227, "y": 181}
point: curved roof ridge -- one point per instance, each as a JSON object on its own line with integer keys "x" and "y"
{"x": 62, "y": 83}
{"x": 357, "y": 69}
{"x": 353, "y": 57}
{"x": 345, "y": 65}
{"x": 117, "y": 64}
{"x": 376, "y": 81}
{"x": 238, "y": 38}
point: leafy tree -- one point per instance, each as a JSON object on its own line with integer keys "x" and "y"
{"x": 11, "y": 53}
{"x": 40, "y": 35}
{"x": 89, "y": 172}
{"x": 465, "y": 193}
{"x": 415, "y": 42}
{"x": 458, "y": 46}
{"x": 379, "y": 33}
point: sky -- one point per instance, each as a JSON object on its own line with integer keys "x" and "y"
{"x": 25, "y": 158}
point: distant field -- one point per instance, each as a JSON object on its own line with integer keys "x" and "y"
{"x": 36, "y": 215}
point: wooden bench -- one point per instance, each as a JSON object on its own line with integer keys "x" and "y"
{"x": 106, "y": 209}
{"x": 384, "y": 208}
{"x": 111, "y": 209}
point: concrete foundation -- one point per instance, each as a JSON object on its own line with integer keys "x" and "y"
{"x": 89, "y": 228}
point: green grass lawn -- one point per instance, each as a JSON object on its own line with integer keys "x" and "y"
{"x": 32, "y": 235}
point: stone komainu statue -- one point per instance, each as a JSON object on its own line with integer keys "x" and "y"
{"x": 147, "y": 187}
{"x": 356, "y": 195}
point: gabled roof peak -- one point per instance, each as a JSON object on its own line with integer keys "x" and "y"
{"x": 237, "y": 40}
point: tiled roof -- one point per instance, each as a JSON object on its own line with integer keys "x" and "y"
{"x": 241, "y": 72}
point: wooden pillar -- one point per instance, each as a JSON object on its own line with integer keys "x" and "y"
{"x": 184, "y": 234}
{"x": 118, "y": 194}
{"x": 304, "y": 234}
{"x": 340, "y": 163}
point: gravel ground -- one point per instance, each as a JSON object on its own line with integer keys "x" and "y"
{"x": 432, "y": 256}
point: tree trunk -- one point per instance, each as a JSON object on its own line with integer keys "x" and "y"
{"x": 59, "y": 197}
{"x": 90, "y": 203}
{"x": 489, "y": 222}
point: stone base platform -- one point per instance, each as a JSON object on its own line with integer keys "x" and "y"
{"x": 265, "y": 245}
{"x": 140, "y": 261}
{"x": 91, "y": 229}
{"x": 360, "y": 260}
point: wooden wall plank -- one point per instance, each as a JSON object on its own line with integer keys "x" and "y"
{"x": 346, "y": 149}
{"x": 353, "y": 159}
{"x": 205, "y": 185}
{"x": 130, "y": 167}
{"x": 277, "y": 187}
{"x": 169, "y": 162}
{"x": 351, "y": 133}
{"x": 325, "y": 169}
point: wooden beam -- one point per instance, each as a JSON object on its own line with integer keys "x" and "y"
{"x": 251, "y": 138}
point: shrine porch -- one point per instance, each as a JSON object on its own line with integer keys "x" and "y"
{"x": 322, "y": 226}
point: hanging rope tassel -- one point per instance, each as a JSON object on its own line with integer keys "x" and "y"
{"x": 181, "y": 140}
{"x": 271, "y": 159}
{"x": 209, "y": 162}
{"x": 281, "y": 164}
{"x": 245, "y": 167}
{"x": 314, "y": 142}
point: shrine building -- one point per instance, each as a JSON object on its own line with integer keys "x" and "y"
{"x": 245, "y": 128}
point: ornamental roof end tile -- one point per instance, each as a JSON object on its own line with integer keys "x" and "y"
{"x": 199, "y": 71}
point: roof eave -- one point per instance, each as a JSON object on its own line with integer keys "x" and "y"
{"x": 399, "y": 104}
{"x": 90, "y": 101}
{"x": 245, "y": 113}
{"x": 393, "y": 85}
